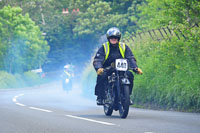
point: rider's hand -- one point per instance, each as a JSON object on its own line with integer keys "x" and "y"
{"x": 139, "y": 71}
{"x": 100, "y": 71}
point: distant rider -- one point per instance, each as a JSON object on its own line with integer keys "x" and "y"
{"x": 67, "y": 76}
{"x": 67, "y": 71}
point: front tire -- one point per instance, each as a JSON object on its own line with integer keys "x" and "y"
{"x": 125, "y": 100}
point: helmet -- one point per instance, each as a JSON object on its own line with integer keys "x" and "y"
{"x": 113, "y": 32}
{"x": 66, "y": 66}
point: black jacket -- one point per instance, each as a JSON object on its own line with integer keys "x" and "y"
{"x": 114, "y": 54}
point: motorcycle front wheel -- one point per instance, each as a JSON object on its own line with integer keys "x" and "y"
{"x": 125, "y": 99}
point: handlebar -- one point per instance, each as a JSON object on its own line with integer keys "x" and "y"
{"x": 112, "y": 66}
{"x": 108, "y": 68}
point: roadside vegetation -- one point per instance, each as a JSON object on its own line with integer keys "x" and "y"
{"x": 22, "y": 48}
{"x": 27, "y": 79}
{"x": 171, "y": 73}
{"x": 171, "y": 66}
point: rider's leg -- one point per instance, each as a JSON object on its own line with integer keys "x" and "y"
{"x": 131, "y": 79}
{"x": 100, "y": 88}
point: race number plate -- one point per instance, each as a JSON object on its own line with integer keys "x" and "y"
{"x": 121, "y": 64}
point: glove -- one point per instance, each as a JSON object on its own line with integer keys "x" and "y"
{"x": 139, "y": 71}
{"x": 100, "y": 71}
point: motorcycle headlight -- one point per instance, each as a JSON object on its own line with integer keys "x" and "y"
{"x": 66, "y": 80}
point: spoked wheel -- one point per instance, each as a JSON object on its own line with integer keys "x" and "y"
{"x": 108, "y": 109}
{"x": 125, "y": 99}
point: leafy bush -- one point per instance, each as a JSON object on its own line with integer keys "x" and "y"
{"x": 32, "y": 78}
{"x": 10, "y": 81}
{"x": 171, "y": 73}
{"x": 29, "y": 78}
{"x": 6, "y": 80}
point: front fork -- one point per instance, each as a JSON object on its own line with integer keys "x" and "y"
{"x": 118, "y": 86}
{"x": 118, "y": 90}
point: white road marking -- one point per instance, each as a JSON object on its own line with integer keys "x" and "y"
{"x": 15, "y": 100}
{"x": 149, "y": 132}
{"x": 101, "y": 122}
{"x": 49, "y": 111}
{"x": 20, "y": 104}
{"x": 15, "y": 97}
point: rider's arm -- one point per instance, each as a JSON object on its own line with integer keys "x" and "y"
{"x": 131, "y": 59}
{"x": 99, "y": 58}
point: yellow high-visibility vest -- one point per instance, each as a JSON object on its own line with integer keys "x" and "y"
{"x": 122, "y": 48}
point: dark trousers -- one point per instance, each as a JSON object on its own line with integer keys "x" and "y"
{"x": 102, "y": 82}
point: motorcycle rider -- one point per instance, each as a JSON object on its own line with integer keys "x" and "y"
{"x": 106, "y": 54}
{"x": 67, "y": 70}
{"x": 67, "y": 77}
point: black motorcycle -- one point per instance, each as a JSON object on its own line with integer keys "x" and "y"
{"x": 117, "y": 90}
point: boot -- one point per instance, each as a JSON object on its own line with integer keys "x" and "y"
{"x": 99, "y": 101}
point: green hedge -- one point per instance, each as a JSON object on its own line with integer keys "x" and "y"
{"x": 8, "y": 80}
{"x": 171, "y": 74}
{"x": 29, "y": 78}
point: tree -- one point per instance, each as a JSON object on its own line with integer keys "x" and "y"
{"x": 103, "y": 15}
{"x": 156, "y": 13}
{"x": 22, "y": 45}
{"x": 94, "y": 21}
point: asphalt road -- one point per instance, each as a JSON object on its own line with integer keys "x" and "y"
{"x": 49, "y": 109}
